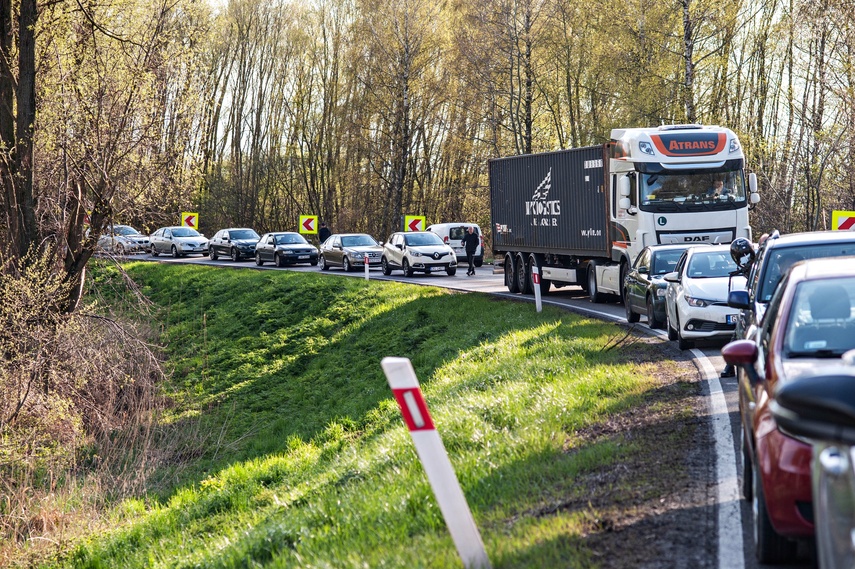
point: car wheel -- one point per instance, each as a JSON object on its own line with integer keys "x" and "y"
{"x": 510, "y": 274}
{"x": 314, "y": 262}
{"x": 682, "y": 342}
{"x": 479, "y": 261}
{"x": 120, "y": 250}
{"x": 672, "y": 333}
{"x": 769, "y": 546}
{"x": 623, "y": 269}
{"x": 631, "y": 317}
{"x": 652, "y": 321}
{"x": 235, "y": 255}
{"x": 451, "y": 271}
{"x": 174, "y": 252}
{"x": 279, "y": 260}
{"x": 212, "y": 253}
{"x": 408, "y": 271}
{"x": 323, "y": 263}
{"x": 345, "y": 264}
{"x": 154, "y": 251}
{"x": 747, "y": 468}
{"x": 258, "y": 260}
{"x": 384, "y": 265}
{"x": 593, "y": 292}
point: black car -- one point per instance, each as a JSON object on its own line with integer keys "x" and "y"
{"x": 644, "y": 286}
{"x": 285, "y": 248}
{"x": 235, "y": 242}
{"x": 775, "y": 255}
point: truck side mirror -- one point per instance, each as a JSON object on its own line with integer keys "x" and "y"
{"x": 624, "y": 203}
{"x": 623, "y": 187}
{"x": 752, "y": 183}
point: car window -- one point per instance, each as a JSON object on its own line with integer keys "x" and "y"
{"x": 423, "y": 239}
{"x": 290, "y": 239}
{"x": 125, "y": 230}
{"x": 820, "y": 322}
{"x": 643, "y": 259}
{"x": 681, "y": 264}
{"x": 185, "y": 232}
{"x": 665, "y": 261}
{"x": 243, "y": 234}
{"x": 711, "y": 264}
{"x": 358, "y": 241}
{"x": 780, "y": 259}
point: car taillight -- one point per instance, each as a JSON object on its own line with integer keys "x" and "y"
{"x": 482, "y": 241}
{"x": 445, "y": 239}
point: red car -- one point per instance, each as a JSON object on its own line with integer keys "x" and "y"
{"x": 808, "y": 325}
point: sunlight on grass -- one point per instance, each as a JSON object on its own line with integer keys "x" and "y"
{"x": 308, "y": 463}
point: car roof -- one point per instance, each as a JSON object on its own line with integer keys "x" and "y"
{"x": 235, "y": 228}
{"x": 724, "y": 247}
{"x": 808, "y": 238}
{"x": 670, "y": 246}
{"x": 823, "y": 268}
{"x": 350, "y": 234}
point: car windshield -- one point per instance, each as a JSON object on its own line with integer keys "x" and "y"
{"x": 419, "y": 239}
{"x": 709, "y": 264}
{"x": 243, "y": 234}
{"x": 124, "y": 230}
{"x": 820, "y": 323}
{"x": 184, "y": 232}
{"x": 779, "y": 259}
{"x": 290, "y": 239}
{"x": 666, "y": 261}
{"x": 358, "y": 241}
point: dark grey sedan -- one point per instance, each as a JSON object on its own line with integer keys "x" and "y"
{"x": 348, "y": 251}
{"x": 236, "y": 243}
{"x": 285, "y": 248}
{"x": 644, "y": 287}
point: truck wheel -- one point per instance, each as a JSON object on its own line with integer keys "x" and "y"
{"x": 593, "y": 292}
{"x": 510, "y": 274}
{"x": 522, "y": 275}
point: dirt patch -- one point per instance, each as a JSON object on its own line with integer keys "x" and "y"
{"x": 656, "y": 509}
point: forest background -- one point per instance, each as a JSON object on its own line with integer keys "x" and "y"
{"x": 253, "y": 112}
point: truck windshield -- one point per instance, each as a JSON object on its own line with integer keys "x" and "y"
{"x": 692, "y": 191}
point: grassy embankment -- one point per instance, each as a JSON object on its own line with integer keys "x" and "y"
{"x": 307, "y": 462}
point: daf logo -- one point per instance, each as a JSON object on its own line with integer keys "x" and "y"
{"x": 662, "y": 220}
{"x": 697, "y": 238}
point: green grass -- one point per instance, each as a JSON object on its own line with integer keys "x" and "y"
{"x": 306, "y": 461}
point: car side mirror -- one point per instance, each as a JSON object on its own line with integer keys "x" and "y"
{"x": 643, "y": 270}
{"x": 818, "y": 407}
{"x": 673, "y": 277}
{"x": 739, "y": 299}
{"x": 743, "y": 353}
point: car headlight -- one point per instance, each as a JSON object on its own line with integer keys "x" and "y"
{"x": 660, "y": 293}
{"x": 415, "y": 254}
{"x": 697, "y": 302}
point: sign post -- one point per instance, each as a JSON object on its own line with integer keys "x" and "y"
{"x": 535, "y": 279}
{"x": 452, "y": 503}
{"x": 366, "y": 266}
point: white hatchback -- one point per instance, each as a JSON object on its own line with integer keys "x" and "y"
{"x": 417, "y": 251}
{"x": 696, "y": 298}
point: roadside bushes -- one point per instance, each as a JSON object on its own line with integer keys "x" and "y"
{"x": 77, "y": 406}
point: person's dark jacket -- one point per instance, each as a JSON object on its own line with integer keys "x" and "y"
{"x": 471, "y": 241}
{"x": 324, "y": 233}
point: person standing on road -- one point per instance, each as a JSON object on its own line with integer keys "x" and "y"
{"x": 324, "y": 232}
{"x": 471, "y": 242}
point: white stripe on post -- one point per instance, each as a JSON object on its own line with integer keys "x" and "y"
{"x": 535, "y": 279}
{"x": 366, "y": 266}
{"x": 452, "y": 503}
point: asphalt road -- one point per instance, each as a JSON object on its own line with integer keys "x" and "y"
{"x": 735, "y": 537}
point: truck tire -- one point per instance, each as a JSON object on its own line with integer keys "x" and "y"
{"x": 510, "y": 274}
{"x": 523, "y": 275}
{"x": 533, "y": 261}
{"x": 594, "y": 292}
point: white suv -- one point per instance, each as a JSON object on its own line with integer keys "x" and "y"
{"x": 417, "y": 251}
{"x": 452, "y": 234}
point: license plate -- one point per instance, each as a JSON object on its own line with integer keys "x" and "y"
{"x": 731, "y": 318}
{"x": 303, "y": 257}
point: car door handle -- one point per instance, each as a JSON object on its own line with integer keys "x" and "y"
{"x": 833, "y": 462}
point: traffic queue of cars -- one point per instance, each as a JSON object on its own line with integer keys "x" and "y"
{"x": 787, "y": 305}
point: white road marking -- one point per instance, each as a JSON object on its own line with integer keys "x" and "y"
{"x": 730, "y": 545}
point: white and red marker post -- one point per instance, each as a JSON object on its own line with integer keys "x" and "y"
{"x": 535, "y": 279}
{"x": 452, "y": 503}
{"x": 366, "y": 265}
